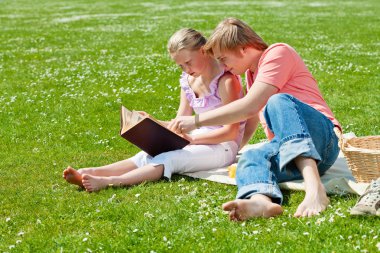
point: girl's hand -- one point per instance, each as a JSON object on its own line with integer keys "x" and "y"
{"x": 182, "y": 124}
{"x": 188, "y": 137}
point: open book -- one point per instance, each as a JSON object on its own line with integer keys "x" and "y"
{"x": 148, "y": 133}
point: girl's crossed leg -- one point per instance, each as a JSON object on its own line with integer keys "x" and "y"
{"x": 133, "y": 177}
{"x": 143, "y": 167}
{"x": 119, "y": 168}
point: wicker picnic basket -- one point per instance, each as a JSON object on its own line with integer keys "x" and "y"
{"x": 363, "y": 156}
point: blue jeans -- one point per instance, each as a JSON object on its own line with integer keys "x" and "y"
{"x": 299, "y": 130}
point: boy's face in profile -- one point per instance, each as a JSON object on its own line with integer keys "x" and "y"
{"x": 234, "y": 61}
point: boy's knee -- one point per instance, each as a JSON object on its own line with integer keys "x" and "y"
{"x": 278, "y": 102}
{"x": 278, "y": 99}
{"x": 247, "y": 155}
{"x": 249, "y": 158}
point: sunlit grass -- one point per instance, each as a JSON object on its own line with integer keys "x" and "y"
{"x": 65, "y": 68}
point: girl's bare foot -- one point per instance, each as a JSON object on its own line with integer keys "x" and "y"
{"x": 72, "y": 176}
{"x": 315, "y": 202}
{"x": 94, "y": 183}
{"x": 257, "y": 206}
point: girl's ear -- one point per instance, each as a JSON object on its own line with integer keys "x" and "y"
{"x": 202, "y": 50}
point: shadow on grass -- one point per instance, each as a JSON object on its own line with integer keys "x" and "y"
{"x": 176, "y": 178}
{"x": 286, "y": 195}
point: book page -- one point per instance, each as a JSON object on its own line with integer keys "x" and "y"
{"x": 125, "y": 116}
{"x": 136, "y": 117}
{"x": 132, "y": 118}
{"x": 127, "y": 120}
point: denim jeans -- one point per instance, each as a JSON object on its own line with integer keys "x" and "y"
{"x": 299, "y": 130}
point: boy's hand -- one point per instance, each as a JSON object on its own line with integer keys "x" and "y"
{"x": 182, "y": 124}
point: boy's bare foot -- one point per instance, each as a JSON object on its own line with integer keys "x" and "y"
{"x": 94, "y": 183}
{"x": 315, "y": 202}
{"x": 72, "y": 176}
{"x": 257, "y": 206}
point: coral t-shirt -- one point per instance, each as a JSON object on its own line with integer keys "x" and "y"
{"x": 281, "y": 66}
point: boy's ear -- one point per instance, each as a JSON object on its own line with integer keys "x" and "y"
{"x": 243, "y": 50}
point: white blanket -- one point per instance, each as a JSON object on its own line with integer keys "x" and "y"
{"x": 337, "y": 180}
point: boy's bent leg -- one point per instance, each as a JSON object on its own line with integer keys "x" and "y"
{"x": 255, "y": 173}
{"x": 257, "y": 206}
{"x": 301, "y": 131}
{"x": 257, "y": 185}
{"x": 307, "y": 142}
{"x": 316, "y": 199}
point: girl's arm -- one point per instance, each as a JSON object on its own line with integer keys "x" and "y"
{"x": 184, "y": 108}
{"x": 229, "y": 90}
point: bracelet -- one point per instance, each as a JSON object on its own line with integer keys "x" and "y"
{"x": 196, "y": 120}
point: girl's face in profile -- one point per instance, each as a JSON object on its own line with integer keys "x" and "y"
{"x": 191, "y": 62}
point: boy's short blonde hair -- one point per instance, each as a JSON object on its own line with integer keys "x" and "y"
{"x": 186, "y": 38}
{"x": 232, "y": 33}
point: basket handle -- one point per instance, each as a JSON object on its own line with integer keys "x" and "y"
{"x": 342, "y": 141}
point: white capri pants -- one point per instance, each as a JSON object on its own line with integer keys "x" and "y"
{"x": 191, "y": 158}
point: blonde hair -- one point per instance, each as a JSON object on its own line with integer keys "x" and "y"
{"x": 232, "y": 33}
{"x": 186, "y": 38}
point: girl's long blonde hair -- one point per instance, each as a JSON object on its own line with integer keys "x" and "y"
{"x": 185, "y": 38}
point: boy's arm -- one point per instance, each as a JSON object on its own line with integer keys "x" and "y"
{"x": 229, "y": 89}
{"x": 236, "y": 111}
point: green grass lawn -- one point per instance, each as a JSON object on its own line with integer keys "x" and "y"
{"x": 65, "y": 68}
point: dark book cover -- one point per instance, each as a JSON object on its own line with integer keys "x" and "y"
{"x": 153, "y": 138}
